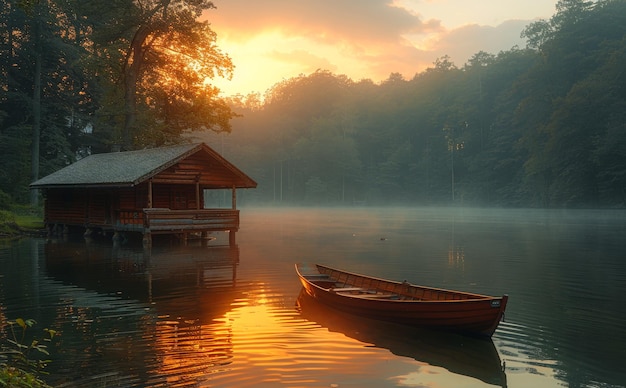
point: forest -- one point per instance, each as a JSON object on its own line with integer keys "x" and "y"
{"x": 538, "y": 126}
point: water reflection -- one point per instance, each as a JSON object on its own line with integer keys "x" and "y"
{"x": 136, "y": 272}
{"x": 472, "y": 357}
{"x": 148, "y": 310}
{"x": 220, "y": 316}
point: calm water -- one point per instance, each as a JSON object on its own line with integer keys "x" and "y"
{"x": 215, "y": 316}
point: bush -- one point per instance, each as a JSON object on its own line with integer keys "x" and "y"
{"x": 8, "y": 226}
{"x": 15, "y": 377}
{"x": 5, "y": 201}
{"x": 18, "y": 367}
{"x": 6, "y": 217}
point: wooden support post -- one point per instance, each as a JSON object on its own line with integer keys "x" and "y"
{"x": 197, "y": 195}
{"x": 150, "y": 194}
{"x": 234, "y": 198}
{"x": 231, "y": 237}
{"x": 150, "y": 286}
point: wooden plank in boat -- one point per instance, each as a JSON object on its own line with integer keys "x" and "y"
{"x": 316, "y": 276}
{"x": 348, "y": 289}
{"x": 375, "y": 296}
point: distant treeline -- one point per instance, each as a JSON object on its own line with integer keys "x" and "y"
{"x": 543, "y": 126}
{"x": 540, "y": 126}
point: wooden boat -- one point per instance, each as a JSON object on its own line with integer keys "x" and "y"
{"x": 459, "y": 354}
{"x": 403, "y": 303}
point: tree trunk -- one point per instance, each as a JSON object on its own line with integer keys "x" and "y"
{"x": 134, "y": 62}
{"x": 34, "y": 194}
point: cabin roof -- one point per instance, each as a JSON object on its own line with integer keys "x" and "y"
{"x": 130, "y": 168}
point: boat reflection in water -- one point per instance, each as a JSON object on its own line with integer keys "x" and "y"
{"x": 463, "y": 355}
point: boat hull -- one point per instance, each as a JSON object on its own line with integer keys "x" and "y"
{"x": 474, "y": 357}
{"x": 472, "y": 314}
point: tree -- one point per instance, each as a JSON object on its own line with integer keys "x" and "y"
{"x": 328, "y": 155}
{"x": 569, "y": 12}
{"x": 571, "y": 95}
{"x": 40, "y": 87}
{"x": 158, "y": 58}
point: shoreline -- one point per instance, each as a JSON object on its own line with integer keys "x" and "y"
{"x": 10, "y": 230}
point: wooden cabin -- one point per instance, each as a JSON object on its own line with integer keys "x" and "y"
{"x": 153, "y": 191}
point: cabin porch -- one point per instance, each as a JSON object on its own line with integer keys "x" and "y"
{"x": 181, "y": 222}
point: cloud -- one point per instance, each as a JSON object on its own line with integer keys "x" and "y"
{"x": 354, "y": 21}
{"x": 462, "y": 43}
{"x": 303, "y": 59}
{"x": 272, "y": 40}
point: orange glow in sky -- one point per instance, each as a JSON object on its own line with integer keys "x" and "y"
{"x": 274, "y": 40}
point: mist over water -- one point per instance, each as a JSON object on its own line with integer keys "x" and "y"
{"x": 216, "y": 315}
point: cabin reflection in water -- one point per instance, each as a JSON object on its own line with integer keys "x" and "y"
{"x": 139, "y": 272}
{"x": 142, "y": 301}
{"x": 463, "y": 355}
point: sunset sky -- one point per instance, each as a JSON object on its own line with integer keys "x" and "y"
{"x": 273, "y": 40}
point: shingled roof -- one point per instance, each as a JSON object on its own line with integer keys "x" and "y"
{"x": 130, "y": 168}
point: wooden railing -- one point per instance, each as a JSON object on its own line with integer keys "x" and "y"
{"x": 166, "y": 220}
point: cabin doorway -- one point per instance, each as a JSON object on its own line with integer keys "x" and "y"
{"x": 180, "y": 200}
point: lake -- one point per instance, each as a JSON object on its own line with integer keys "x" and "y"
{"x": 212, "y": 315}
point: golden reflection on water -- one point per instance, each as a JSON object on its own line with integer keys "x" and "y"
{"x": 188, "y": 350}
{"x": 306, "y": 349}
{"x": 259, "y": 340}
{"x": 260, "y": 343}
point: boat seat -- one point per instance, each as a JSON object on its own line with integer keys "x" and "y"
{"x": 316, "y": 277}
{"x": 376, "y": 296}
{"x": 347, "y": 289}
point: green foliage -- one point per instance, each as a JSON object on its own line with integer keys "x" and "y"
{"x": 19, "y": 366}
{"x": 8, "y": 225}
{"x": 152, "y": 61}
{"x": 17, "y": 378}
{"x": 6, "y": 217}
{"x": 576, "y": 93}
{"x": 65, "y": 67}
{"x": 5, "y": 201}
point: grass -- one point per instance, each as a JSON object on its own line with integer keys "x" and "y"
{"x": 12, "y": 224}
{"x": 29, "y": 221}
